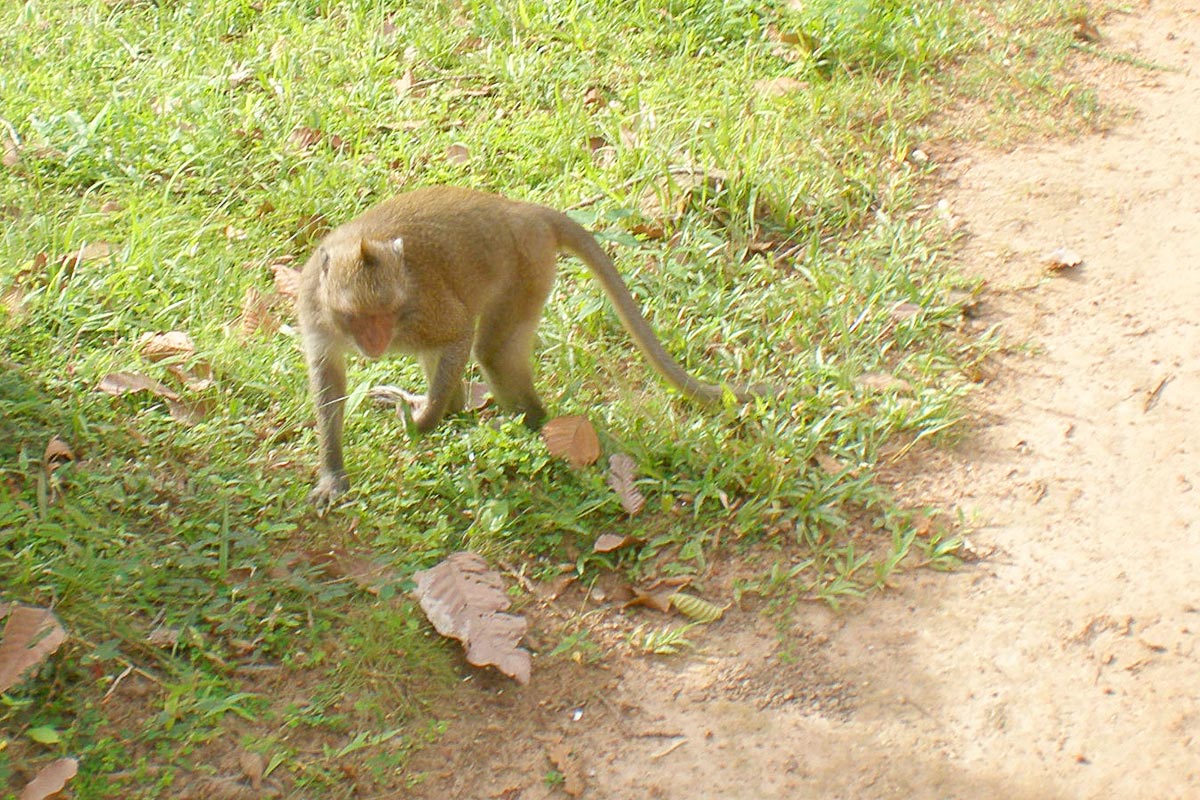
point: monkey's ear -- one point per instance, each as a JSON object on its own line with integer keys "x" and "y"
{"x": 324, "y": 261}
{"x": 397, "y": 246}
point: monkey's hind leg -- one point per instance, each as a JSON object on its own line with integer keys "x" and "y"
{"x": 504, "y": 349}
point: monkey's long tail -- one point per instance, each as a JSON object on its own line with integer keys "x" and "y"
{"x": 577, "y": 240}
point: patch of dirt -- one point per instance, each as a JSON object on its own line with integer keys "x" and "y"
{"x": 1064, "y": 664}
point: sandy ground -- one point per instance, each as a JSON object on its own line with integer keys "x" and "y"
{"x": 1065, "y": 663}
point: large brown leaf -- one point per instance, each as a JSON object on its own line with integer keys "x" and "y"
{"x": 572, "y": 438}
{"x": 50, "y": 779}
{"x": 622, "y": 474}
{"x": 465, "y": 600}
{"x": 30, "y": 635}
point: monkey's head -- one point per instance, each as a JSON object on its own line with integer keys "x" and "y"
{"x": 367, "y": 288}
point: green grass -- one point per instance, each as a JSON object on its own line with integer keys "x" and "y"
{"x": 167, "y": 130}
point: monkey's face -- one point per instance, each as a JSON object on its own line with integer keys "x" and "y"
{"x": 365, "y": 285}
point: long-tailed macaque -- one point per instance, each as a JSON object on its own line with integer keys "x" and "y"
{"x": 441, "y": 272}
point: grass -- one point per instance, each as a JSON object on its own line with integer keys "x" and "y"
{"x": 204, "y": 140}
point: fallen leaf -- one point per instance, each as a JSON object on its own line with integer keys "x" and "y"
{"x": 458, "y": 154}
{"x": 188, "y": 413}
{"x": 161, "y": 346}
{"x": 465, "y": 600}
{"x": 1084, "y": 30}
{"x": 305, "y": 138}
{"x": 287, "y": 280}
{"x": 883, "y": 382}
{"x": 403, "y": 85}
{"x": 257, "y": 314}
{"x": 240, "y": 77}
{"x": 235, "y": 234}
{"x": 593, "y": 97}
{"x": 111, "y": 207}
{"x": 361, "y": 568}
{"x": 1062, "y": 258}
{"x": 30, "y": 635}
{"x": 477, "y": 395}
{"x": 50, "y": 779}
{"x": 197, "y": 377}
{"x": 697, "y": 609}
{"x": 659, "y": 600}
{"x": 607, "y": 542}
{"x": 783, "y": 85}
{"x": 622, "y": 476}
{"x": 665, "y": 201}
{"x": 93, "y": 251}
{"x": 57, "y": 452}
{"x": 572, "y": 438}
{"x": 119, "y": 383}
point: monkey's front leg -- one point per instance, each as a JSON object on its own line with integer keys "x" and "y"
{"x": 444, "y": 372}
{"x": 327, "y": 374}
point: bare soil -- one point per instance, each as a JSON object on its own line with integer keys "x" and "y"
{"x": 1064, "y": 662}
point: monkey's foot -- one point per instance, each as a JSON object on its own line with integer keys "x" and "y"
{"x": 395, "y": 396}
{"x": 328, "y": 489}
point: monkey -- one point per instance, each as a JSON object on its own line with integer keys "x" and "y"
{"x": 440, "y": 273}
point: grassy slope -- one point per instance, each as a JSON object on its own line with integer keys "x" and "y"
{"x": 132, "y": 132}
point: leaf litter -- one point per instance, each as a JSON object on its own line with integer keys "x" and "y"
{"x": 464, "y": 599}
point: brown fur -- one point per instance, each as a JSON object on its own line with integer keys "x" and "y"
{"x": 438, "y": 273}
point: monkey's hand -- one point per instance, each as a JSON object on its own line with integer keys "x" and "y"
{"x": 330, "y": 486}
{"x": 410, "y": 407}
{"x": 395, "y": 396}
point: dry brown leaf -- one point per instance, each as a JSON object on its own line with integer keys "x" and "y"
{"x": 477, "y": 395}
{"x": 235, "y": 234}
{"x": 57, "y": 452}
{"x": 111, "y": 207}
{"x": 465, "y": 600}
{"x": 829, "y": 464}
{"x": 50, "y": 780}
{"x": 593, "y": 97}
{"x": 30, "y": 635}
{"x": 404, "y": 84}
{"x": 287, "y": 280}
{"x": 779, "y": 86}
{"x": 188, "y": 413}
{"x": 572, "y": 438}
{"x": 257, "y": 314}
{"x": 458, "y": 154}
{"x": 622, "y": 477}
{"x": 883, "y": 382}
{"x": 306, "y": 138}
{"x": 240, "y": 77}
{"x": 91, "y": 251}
{"x": 196, "y": 377}
{"x": 359, "y": 567}
{"x": 161, "y": 346}
{"x": 607, "y": 542}
{"x": 119, "y": 383}
{"x": 658, "y": 599}
{"x": 1062, "y": 258}
{"x": 665, "y": 201}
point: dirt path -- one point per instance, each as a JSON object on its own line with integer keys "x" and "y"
{"x": 1066, "y": 663}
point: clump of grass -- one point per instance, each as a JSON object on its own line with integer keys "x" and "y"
{"x": 204, "y": 141}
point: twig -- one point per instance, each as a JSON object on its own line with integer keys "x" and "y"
{"x": 675, "y": 746}
{"x": 1152, "y": 399}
